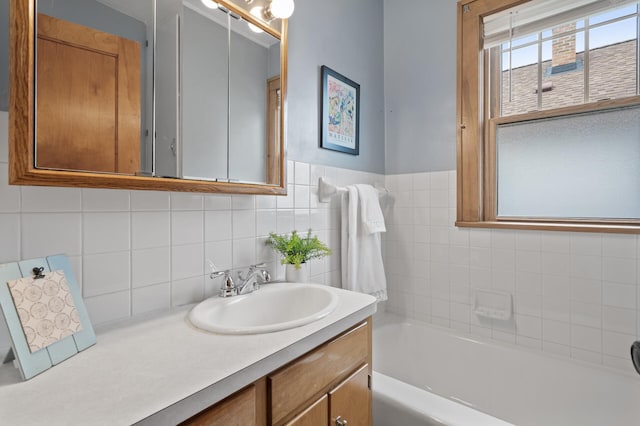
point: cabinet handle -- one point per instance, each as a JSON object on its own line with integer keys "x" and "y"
{"x": 340, "y": 421}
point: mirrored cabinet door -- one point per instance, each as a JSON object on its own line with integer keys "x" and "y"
{"x": 205, "y": 91}
{"x": 94, "y": 85}
{"x": 166, "y": 150}
{"x": 254, "y": 106}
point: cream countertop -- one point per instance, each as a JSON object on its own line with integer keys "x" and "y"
{"x": 161, "y": 370}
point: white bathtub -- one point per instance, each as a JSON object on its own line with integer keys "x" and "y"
{"x": 415, "y": 362}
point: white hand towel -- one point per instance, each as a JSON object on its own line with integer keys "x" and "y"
{"x": 372, "y": 218}
{"x": 362, "y": 267}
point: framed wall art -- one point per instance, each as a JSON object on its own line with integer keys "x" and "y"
{"x": 340, "y": 113}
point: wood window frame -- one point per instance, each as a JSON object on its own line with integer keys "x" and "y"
{"x": 475, "y": 153}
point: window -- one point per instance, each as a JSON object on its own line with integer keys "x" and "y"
{"x": 549, "y": 114}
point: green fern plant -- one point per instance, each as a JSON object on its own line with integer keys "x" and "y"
{"x": 296, "y": 250}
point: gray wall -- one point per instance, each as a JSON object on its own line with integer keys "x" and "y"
{"x": 347, "y": 36}
{"x": 420, "y": 85}
{"x": 95, "y": 15}
{"x": 274, "y": 60}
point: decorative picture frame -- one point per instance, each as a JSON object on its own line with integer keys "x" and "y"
{"x": 340, "y": 113}
{"x": 31, "y": 363}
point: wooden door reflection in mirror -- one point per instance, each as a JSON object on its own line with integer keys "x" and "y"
{"x": 88, "y": 91}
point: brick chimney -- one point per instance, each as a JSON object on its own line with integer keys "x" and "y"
{"x": 564, "y": 48}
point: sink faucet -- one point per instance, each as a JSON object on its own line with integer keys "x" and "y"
{"x": 228, "y": 287}
{"x": 257, "y": 275}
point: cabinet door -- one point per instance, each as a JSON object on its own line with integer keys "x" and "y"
{"x": 351, "y": 400}
{"x": 317, "y": 414}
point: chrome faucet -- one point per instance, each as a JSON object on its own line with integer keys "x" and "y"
{"x": 257, "y": 275}
{"x": 228, "y": 287}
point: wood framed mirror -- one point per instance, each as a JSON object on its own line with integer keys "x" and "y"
{"x": 115, "y": 152}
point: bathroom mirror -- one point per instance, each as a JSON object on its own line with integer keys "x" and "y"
{"x": 152, "y": 94}
{"x": 94, "y": 86}
{"x": 227, "y": 74}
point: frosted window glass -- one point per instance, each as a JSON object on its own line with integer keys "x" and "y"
{"x": 577, "y": 166}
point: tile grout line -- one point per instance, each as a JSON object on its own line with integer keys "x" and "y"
{"x": 130, "y": 255}
{"x": 171, "y": 283}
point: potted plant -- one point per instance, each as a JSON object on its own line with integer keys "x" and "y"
{"x": 296, "y": 251}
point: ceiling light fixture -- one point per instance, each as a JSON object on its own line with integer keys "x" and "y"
{"x": 210, "y": 4}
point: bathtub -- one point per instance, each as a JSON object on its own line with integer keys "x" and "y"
{"x": 426, "y": 375}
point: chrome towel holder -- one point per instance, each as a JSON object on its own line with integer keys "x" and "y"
{"x": 326, "y": 190}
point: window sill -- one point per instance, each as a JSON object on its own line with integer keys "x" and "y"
{"x": 567, "y": 227}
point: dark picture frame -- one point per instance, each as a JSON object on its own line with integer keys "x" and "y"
{"x": 340, "y": 113}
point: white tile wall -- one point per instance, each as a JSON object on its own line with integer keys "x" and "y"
{"x": 10, "y": 195}
{"x": 150, "y": 266}
{"x": 187, "y": 227}
{"x": 575, "y": 294}
{"x": 150, "y": 229}
{"x": 106, "y": 232}
{"x": 45, "y": 199}
{"x": 149, "y": 200}
{"x": 133, "y": 252}
{"x": 4, "y": 137}
{"x": 106, "y": 273}
{"x": 139, "y": 251}
{"x": 63, "y": 233}
{"x": 109, "y": 307}
{"x": 102, "y": 200}
{"x": 152, "y": 298}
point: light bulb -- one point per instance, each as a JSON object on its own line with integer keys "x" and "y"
{"x": 281, "y": 8}
{"x": 254, "y": 28}
{"x": 257, "y": 12}
{"x": 210, "y": 4}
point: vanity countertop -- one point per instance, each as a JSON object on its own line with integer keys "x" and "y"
{"x": 161, "y": 370}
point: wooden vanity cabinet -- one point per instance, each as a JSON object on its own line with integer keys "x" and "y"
{"x": 327, "y": 384}
{"x": 239, "y": 409}
{"x": 349, "y": 403}
{"x": 323, "y": 371}
{"x": 351, "y": 400}
{"x": 316, "y": 414}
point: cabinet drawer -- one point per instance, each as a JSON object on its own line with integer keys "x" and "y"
{"x": 237, "y": 410}
{"x": 316, "y": 371}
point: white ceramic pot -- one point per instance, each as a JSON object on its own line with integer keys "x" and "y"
{"x": 297, "y": 275}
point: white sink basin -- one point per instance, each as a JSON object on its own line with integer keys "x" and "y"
{"x": 273, "y": 307}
